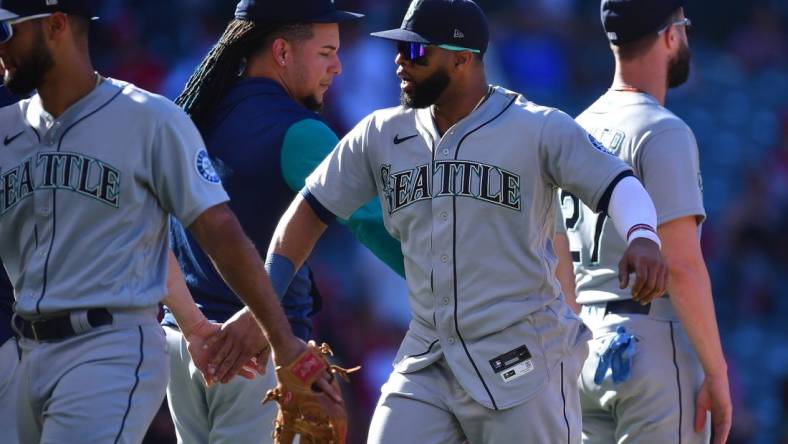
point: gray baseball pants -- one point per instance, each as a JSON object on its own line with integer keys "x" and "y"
{"x": 229, "y": 413}
{"x": 430, "y": 407}
{"x": 101, "y": 386}
{"x": 657, "y": 403}
{"x": 9, "y": 361}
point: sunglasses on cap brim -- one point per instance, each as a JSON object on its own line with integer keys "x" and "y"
{"x": 413, "y": 51}
{"x": 7, "y": 27}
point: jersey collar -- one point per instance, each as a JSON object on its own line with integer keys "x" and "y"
{"x": 499, "y": 98}
{"x": 38, "y": 118}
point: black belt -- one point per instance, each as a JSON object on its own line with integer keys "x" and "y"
{"x": 626, "y": 306}
{"x": 59, "y": 327}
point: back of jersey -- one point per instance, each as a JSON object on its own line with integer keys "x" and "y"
{"x": 663, "y": 153}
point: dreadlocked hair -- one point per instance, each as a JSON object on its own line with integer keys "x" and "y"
{"x": 221, "y": 68}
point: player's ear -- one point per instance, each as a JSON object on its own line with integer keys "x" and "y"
{"x": 463, "y": 59}
{"x": 280, "y": 51}
{"x": 669, "y": 38}
{"x": 54, "y": 26}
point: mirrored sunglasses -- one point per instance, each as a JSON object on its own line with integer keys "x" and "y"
{"x": 414, "y": 51}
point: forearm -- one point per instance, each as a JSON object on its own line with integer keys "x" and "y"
{"x": 297, "y": 233}
{"x": 239, "y": 263}
{"x": 689, "y": 287}
{"x": 690, "y": 293}
{"x": 179, "y": 300}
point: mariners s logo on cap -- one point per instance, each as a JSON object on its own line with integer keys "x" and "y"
{"x": 205, "y": 168}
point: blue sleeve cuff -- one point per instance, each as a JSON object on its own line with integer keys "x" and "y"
{"x": 280, "y": 271}
{"x": 322, "y": 212}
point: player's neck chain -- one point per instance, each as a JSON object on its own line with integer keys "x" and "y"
{"x": 484, "y": 98}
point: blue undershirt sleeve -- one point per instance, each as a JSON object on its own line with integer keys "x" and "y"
{"x": 306, "y": 144}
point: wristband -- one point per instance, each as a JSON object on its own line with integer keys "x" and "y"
{"x": 644, "y": 231}
{"x": 281, "y": 272}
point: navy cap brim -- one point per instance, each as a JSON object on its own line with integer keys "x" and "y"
{"x": 336, "y": 17}
{"x": 400, "y": 35}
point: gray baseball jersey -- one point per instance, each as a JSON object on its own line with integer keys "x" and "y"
{"x": 474, "y": 212}
{"x": 663, "y": 153}
{"x": 85, "y": 197}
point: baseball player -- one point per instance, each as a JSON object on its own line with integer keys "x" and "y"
{"x": 93, "y": 167}
{"x": 654, "y": 370}
{"x": 263, "y": 134}
{"x": 467, "y": 174}
{"x": 9, "y": 352}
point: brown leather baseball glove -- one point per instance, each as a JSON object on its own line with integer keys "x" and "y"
{"x": 304, "y": 411}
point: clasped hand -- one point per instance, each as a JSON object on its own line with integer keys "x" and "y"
{"x": 222, "y": 351}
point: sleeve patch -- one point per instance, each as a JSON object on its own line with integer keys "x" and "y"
{"x": 205, "y": 167}
{"x": 598, "y": 145}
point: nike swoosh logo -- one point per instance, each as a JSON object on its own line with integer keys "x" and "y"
{"x": 397, "y": 140}
{"x": 8, "y": 140}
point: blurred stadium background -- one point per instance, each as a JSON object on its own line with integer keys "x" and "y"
{"x": 555, "y": 53}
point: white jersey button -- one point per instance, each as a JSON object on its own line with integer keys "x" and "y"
{"x": 444, "y": 215}
{"x": 445, "y": 301}
{"x": 445, "y": 152}
{"x": 444, "y": 258}
{"x": 451, "y": 340}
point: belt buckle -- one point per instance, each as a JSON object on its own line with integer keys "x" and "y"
{"x": 33, "y": 330}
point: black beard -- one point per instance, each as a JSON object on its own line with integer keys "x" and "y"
{"x": 30, "y": 73}
{"x": 311, "y": 103}
{"x": 427, "y": 92}
{"x": 679, "y": 68}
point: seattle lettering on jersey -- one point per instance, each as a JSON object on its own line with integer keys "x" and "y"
{"x": 459, "y": 178}
{"x": 61, "y": 171}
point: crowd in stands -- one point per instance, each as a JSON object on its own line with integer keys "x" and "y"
{"x": 555, "y": 53}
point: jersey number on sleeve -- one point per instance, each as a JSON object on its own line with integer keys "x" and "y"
{"x": 572, "y": 222}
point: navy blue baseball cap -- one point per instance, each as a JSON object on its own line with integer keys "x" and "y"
{"x": 626, "y": 21}
{"x": 309, "y": 11}
{"x": 457, "y": 24}
{"x": 16, "y": 9}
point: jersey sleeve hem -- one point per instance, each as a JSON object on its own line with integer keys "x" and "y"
{"x": 205, "y": 205}
{"x": 325, "y": 215}
{"x": 678, "y": 214}
{"x": 317, "y": 193}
